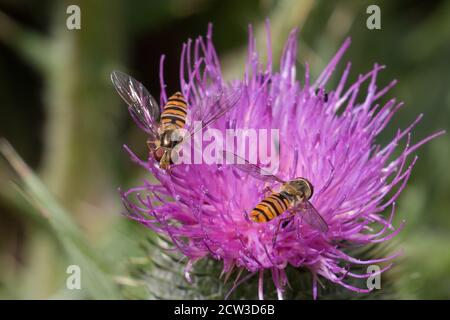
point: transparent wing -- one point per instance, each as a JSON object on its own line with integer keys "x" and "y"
{"x": 143, "y": 106}
{"x": 310, "y": 215}
{"x": 214, "y": 107}
{"x": 252, "y": 169}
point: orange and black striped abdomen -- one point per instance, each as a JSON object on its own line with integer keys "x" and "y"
{"x": 174, "y": 112}
{"x": 270, "y": 208}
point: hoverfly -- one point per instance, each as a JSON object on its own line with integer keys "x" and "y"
{"x": 293, "y": 197}
{"x": 163, "y": 128}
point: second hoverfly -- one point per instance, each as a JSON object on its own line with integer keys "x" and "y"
{"x": 164, "y": 127}
{"x": 293, "y": 198}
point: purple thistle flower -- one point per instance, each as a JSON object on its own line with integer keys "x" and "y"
{"x": 331, "y": 142}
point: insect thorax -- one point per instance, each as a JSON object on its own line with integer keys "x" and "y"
{"x": 299, "y": 188}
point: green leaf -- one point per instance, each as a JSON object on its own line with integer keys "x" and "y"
{"x": 96, "y": 275}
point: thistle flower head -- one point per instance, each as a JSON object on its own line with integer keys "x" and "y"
{"x": 327, "y": 137}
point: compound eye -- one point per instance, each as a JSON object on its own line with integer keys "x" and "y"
{"x": 311, "y": 190}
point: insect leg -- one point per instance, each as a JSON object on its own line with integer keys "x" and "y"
{"x": 247, "y": 216}
{"x": 281, "y": 223}
{"x": 151, "y": 145}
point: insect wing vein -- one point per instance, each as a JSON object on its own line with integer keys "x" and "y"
{"x": 214, "y": 107}
{"x": 252, "y": 169}
{"x": 310, "y": 215}
{"x": 142, "y": 105}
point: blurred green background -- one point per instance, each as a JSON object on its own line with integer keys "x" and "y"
{"x": 61, "y": 114}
